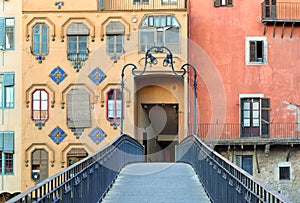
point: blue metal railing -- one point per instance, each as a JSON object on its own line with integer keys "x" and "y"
{"x": 223, "y": 181}
{"x": 89, "y": 179}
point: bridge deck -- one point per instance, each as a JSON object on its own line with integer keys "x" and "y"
{"x": 157, "y": 182}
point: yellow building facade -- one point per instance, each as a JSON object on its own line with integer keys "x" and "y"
{"x": 10, "y": 98}
{"x": 73, "y": 54}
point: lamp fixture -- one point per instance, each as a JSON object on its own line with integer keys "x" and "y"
{"x": 167, "y": 60}
{"x": 150, "y": 59}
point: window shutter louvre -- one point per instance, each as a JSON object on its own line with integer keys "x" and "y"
{"x": 1, "y": 141}
{"x": 115, "y": 28}
{"x": 78, "y": 107}
{"x": 2, "y": 33}
{"x": 265, "y": 51}
{"x": 8, "y": 79}
{"x": 36, "y": 157}
{"x": 78, "y": 29}
{"x": 8, "y": 145}
{"x": 242, "y": 117}
{"x": 265, "y": 117}
{"x": 217, "y": 3}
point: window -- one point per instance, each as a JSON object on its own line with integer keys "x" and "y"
{"x": 40, "y": 39}
{"x": 78, "y": 108}
{"x": 75, "y": 155}
{"x": 114, "y": 104}
{"x": 140, "y": 1}
{"x": 255, "y": 116}
{"x": 284, "y": 173}
{"x": 40, "y": 105}
{"x": 256, "y": 50}
{"x": 218, "y": 3}
{"x": 7, "y": 82}
{"x": 270, "y": 6}
{"x": 169, "y": 2}
{"x": 245, "y": 162}
{"x": 159, "y": 30}
{"x": 115, "y": 33}
{"x": 77, "y": 37}
{"x": 7, "y": 152}
{"x": 39, "y": 167}
{"x": 7, "y": 32}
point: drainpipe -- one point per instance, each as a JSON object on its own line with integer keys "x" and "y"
{"x": 3, "y": 162}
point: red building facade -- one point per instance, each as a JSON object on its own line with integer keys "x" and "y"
{"x": 247, "y": 58}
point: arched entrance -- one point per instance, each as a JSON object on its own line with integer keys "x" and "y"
{"x": 159, "y": 117}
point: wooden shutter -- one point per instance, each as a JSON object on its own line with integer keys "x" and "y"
{"x": 44, "y": 165}
{"x": 78, "y": 108}
{"x": 8, "y": 144}
{"x": 115, "y": 28}
{"x": 265, "y": 117}
{"x": 78, "y": 29}
{"x": 77, "y": 152}
{"x": 242, "y": 117}
{"x": 217, "y": 3}
{"x": 1, "y": 141}
{"x": 8, "y": 79}
{"x": 2, "y": 33}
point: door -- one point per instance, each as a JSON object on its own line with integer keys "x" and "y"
{"x": 250, "y": 117}
{"x": 160, "y": 131}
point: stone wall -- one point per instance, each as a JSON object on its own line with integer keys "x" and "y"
{"x": 266, "y": 165}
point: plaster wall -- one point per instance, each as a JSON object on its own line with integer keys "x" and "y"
{"x": 11, "y": 119}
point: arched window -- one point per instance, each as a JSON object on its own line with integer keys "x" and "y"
{"x": 40, "y": 105}
{"x": 40, "y": 39}
{"x": 159, "y": 30}
{"x": 114, "y": 104}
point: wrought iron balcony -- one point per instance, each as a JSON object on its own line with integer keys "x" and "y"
{"x": 236, "y": 131}
{"x": 280, "y": 11}
{"x": 121, "y": 5}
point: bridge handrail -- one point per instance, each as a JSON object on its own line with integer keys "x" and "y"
{"x": 99, "y": 169}
{"x": 223, "y": 180}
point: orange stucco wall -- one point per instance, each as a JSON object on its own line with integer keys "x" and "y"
{"x": 217, "y": 49}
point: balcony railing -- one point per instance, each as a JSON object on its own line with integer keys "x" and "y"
{"x": 121, "y": 5}
{"x": 223, "y": 181}
{"x": 237, "y": 130}
{"x": 281, "y": 11}
{"x": 89, "y": 179}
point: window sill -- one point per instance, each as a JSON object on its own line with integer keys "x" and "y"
{"x": 255, "y": 64}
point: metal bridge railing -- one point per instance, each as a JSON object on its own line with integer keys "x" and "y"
{"x": 89, "y": 179}
{"x": 224, "y": 181}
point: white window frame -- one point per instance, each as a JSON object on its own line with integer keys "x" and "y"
{"x": 265, "y": 50}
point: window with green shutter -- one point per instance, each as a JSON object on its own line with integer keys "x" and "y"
{"x": 7, "y": 33}
{"x": 7, "y": 152}
{"x": 7, "y": 82}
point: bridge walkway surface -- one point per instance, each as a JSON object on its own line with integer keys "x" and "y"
{"x": 157, "y": 183}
